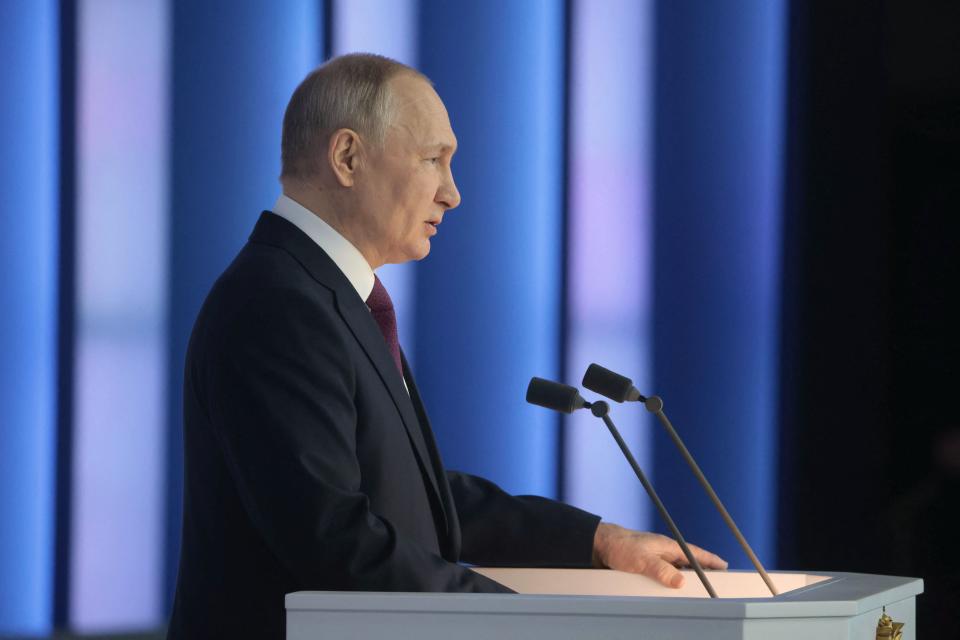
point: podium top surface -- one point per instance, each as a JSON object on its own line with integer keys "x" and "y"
{"x": 604, "y": 592}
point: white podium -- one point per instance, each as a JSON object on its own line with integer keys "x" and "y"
{"x": 576, "y": 604}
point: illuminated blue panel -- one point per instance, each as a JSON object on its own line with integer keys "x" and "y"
{"x": 720, "y": 76}
{"x": 235, "y": 65}
{"x": 116, "y": 559}
{"x": 610, "y": 281}
{"x": 387, "y": 27}
{"x": 28, "y": 294}
{"x": 488, "y": 296}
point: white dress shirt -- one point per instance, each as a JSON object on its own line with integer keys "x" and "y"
{"x": 346, "y": 256}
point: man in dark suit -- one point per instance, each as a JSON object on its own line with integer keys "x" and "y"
{"x": 309, "y": 458}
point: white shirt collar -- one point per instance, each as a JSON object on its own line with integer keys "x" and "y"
{"x": 346, "y": 256}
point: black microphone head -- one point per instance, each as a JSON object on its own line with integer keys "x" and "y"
{"x": 612, "y": 385}
{"x": 553, "y": 395}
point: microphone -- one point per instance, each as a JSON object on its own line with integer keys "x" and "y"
{"x": 555, "y": 396}
{"x": 620, "y": 388}
{"x": 611, "y": 385}
{"x": 564, "y": 398}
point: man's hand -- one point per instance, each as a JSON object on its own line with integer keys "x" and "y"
{"x": 650, "y": 554}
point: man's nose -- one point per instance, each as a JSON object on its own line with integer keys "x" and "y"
{"x": 448, "y": 195}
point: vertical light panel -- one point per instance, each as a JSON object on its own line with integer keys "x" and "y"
{"x": 389, "y": 28}
{"x": 235, "y": 65}
{"x": 121, "y": 226}
{"x": 610, "y": 281}
{"x": 488, "y": 295}
{"x": 719, "y": 102}
{"x": 28, "y": 297}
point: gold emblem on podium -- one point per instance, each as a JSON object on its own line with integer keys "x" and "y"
{"x": 887, "y": 629}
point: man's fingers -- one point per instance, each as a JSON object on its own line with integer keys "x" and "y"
{"x": 662, "y": 571}
{"x": 651, "y": 554}
{"x": 706, "y": 559}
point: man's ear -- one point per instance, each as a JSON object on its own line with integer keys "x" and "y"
{"x": 343, "y": 154}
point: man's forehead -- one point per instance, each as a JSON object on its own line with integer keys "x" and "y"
{"x": 421, "y": 112}
{"x": 415, "y": 98}
{"x": 410, "y": 89}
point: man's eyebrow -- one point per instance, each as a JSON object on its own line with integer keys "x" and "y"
{"x": 442, "y": 147}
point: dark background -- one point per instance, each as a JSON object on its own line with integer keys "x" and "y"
{"x": 870, "y": 447}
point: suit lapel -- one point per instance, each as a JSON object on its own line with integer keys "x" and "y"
{"x": 276, "y": 231}
{"x": 365, "y": 328}
{"x": 452, "y": 551}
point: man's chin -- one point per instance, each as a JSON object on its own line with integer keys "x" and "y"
{"x": 413, "y": 256}
{"x": 422, "y": 251}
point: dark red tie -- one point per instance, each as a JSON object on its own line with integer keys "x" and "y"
{"x": 381, "y": 306}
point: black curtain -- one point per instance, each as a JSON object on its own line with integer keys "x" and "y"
{"x": 870, "y": 443}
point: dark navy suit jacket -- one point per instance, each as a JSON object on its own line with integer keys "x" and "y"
{"x": 309, "y": 466}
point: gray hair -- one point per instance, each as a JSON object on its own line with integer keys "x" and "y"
{"x": 346, "y": 92}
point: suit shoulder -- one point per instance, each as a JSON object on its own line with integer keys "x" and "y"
{"x": 265, "y": 288}
{"x": 268, "y": 267}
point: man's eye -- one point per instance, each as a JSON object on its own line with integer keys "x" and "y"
{"x": 434, "y": 160}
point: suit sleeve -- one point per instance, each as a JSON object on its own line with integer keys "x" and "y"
{"x": 279, "y": 390}
{"x": 499, "y": 529}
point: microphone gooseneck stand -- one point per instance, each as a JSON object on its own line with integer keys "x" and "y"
{"x": 566, "y": 399}
{"x": 620, "y": 389}
{"x": 654, "y": 405}
{"x": 601, "y": 410}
